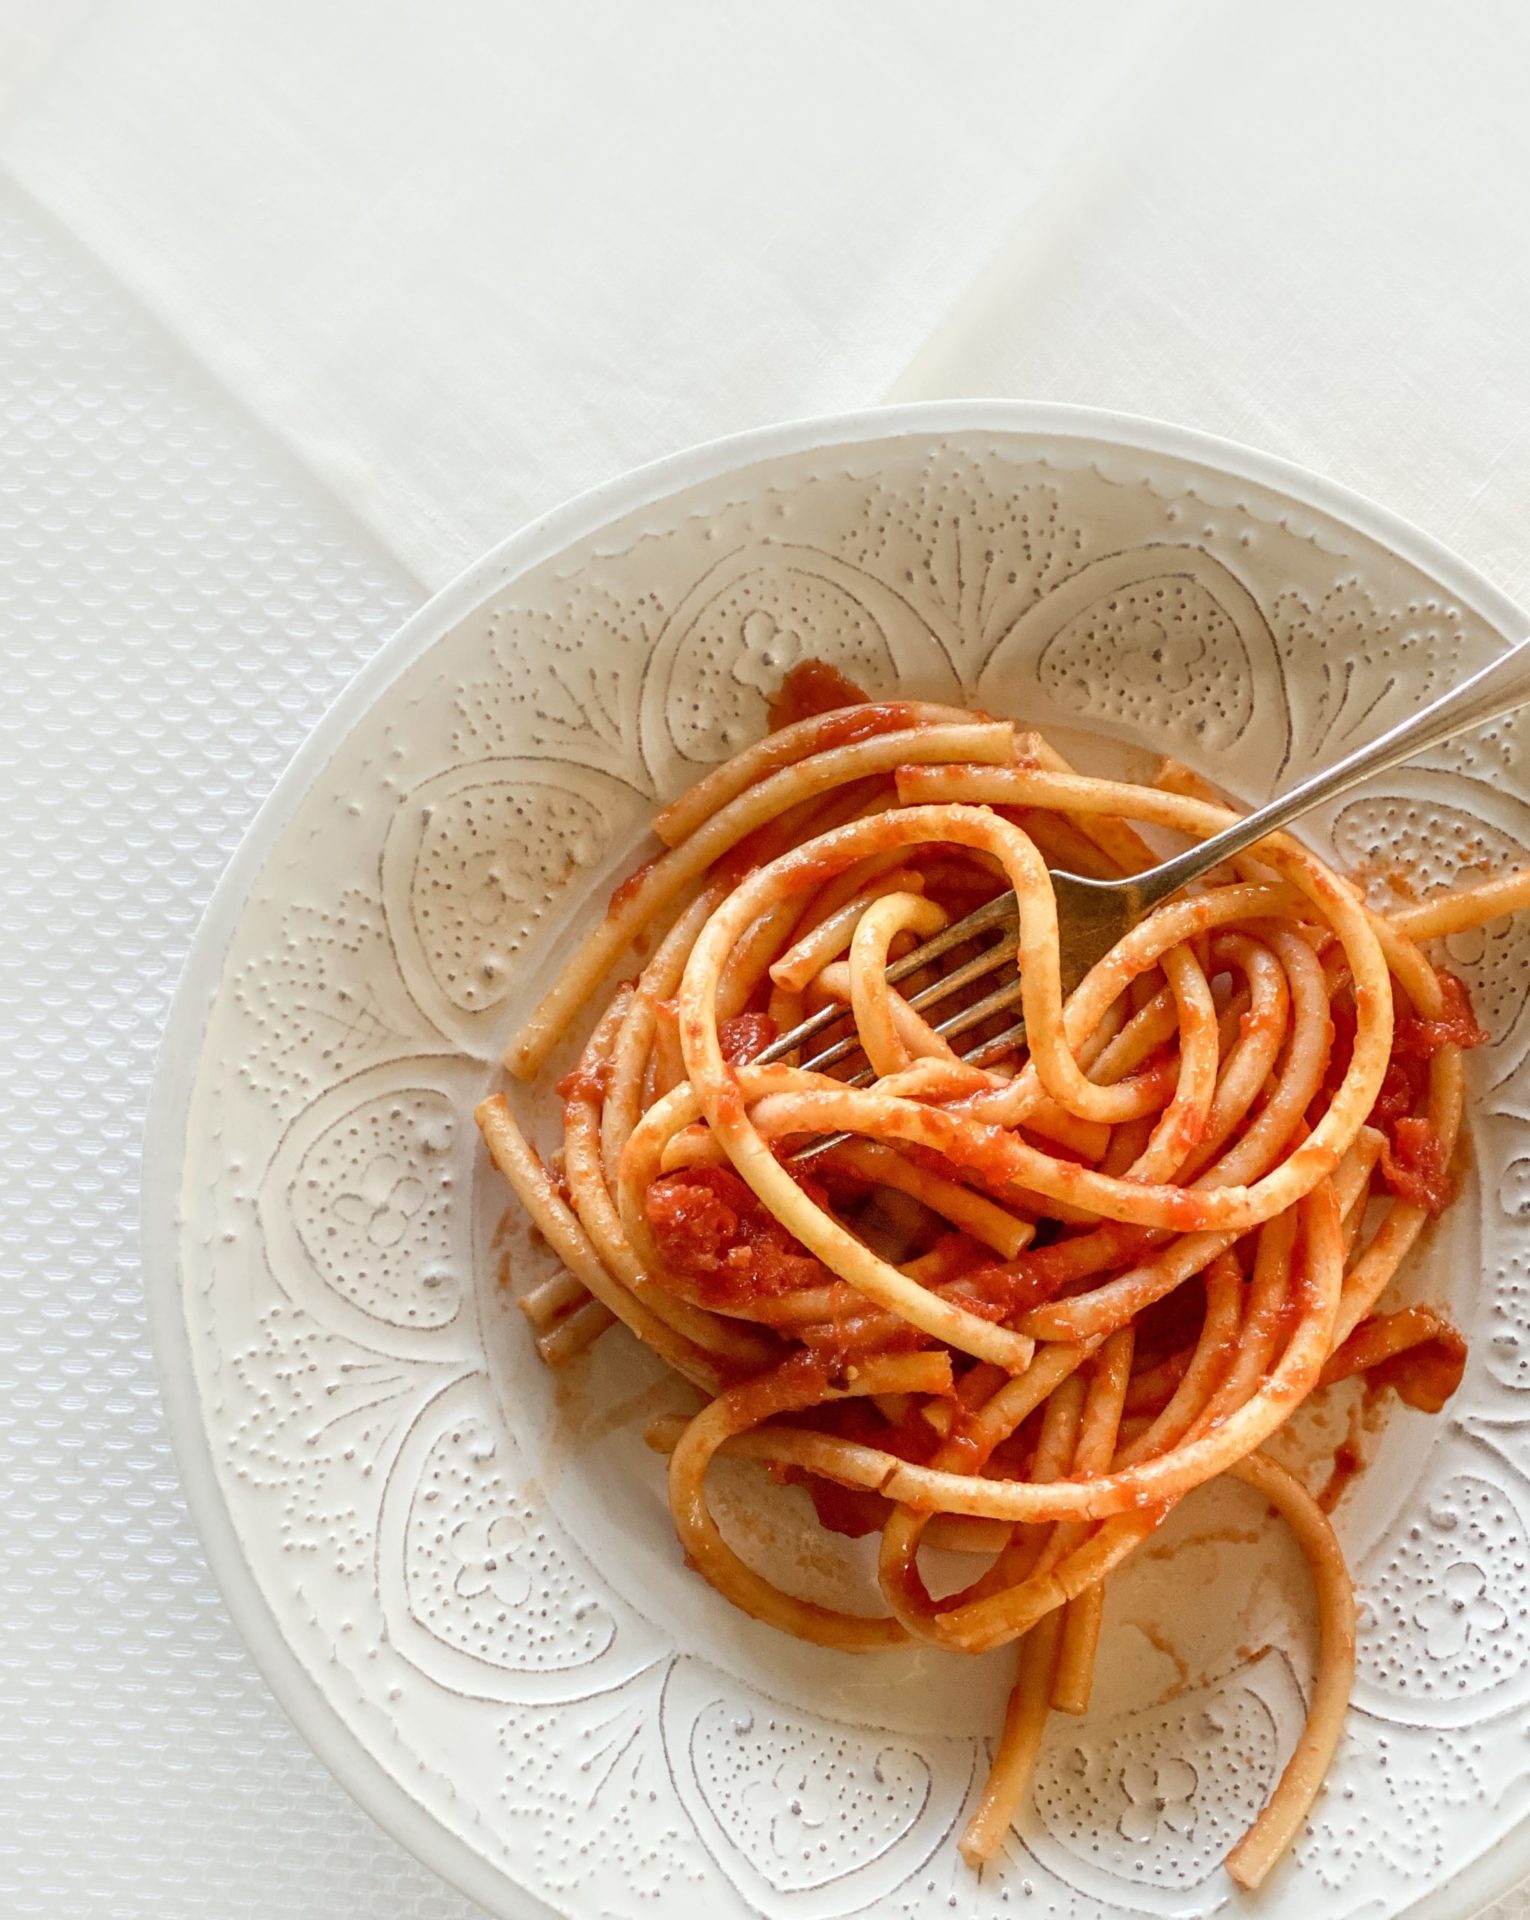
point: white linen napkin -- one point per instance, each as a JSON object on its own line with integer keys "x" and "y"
{"x": 469, "y": 259}
{"x": 1305, "y": 229}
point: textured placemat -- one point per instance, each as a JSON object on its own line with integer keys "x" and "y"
{"x": 179, "y": 604}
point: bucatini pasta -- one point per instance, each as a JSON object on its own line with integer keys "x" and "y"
{"x": 1028, "y": 1301}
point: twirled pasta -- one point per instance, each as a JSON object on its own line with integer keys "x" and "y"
{"x": 1030, "y": 1304}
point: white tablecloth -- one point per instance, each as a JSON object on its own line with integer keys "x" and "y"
{"x": 302, "y": 305}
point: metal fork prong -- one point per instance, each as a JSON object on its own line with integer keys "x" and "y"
{"x": 995, "y": 913}
{"x": 799, "y": 1034}
{"x": 959, "y": 977}
{"x": 947, "y": 984}
{"x": 841, "y": 1050}
{"x": 984, "y": 1051}
{"x": 1002, "y": 912}
{"x": 993, "y": 1003}
{"x": 996, "y": 1047}
{"x": 999, "y": 1001}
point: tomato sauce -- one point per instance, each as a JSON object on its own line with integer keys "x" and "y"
{"x": 1348, "y": 1465}
{"x": 1414, "y": 1350}
{"x": 812, "y": 687}
{"x": 838, "y": 1345}
{"x": 1426, "y": 1375}
{"x": 997, "y": 1292}
{"x": 777, "y": 837}
{"x": 1415, "y": 1167}
{"x": 1416, "y": 1038}
{"x": 863, "y": 723}
{"x": 758, "y": 849}
{"x": 712, "y": 1231}
{"x": 627, "y": 890}
{"x": 1413, "y": 1161}
{"x": 1401, "y": 1091}
{"x": 585, "y": 1082}
{"x": 851, "y": 1511}
{"x": 745, "y": 1037}
{"x": 1096, "y": 1250}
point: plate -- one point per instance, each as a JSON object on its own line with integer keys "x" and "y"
{"x": 457, "y": 1571}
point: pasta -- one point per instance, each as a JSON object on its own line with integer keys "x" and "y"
{"x": 1018, "y": 1304}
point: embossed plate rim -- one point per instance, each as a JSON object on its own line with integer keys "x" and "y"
{"x": 581, "y": 518}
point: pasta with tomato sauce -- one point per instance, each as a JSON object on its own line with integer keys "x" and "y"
{"x": 1021, "y": 1303}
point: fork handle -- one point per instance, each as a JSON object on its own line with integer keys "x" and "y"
{"x": 1496, "y": 689}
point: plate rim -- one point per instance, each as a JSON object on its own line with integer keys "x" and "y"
{"x": 327, "y": 1734}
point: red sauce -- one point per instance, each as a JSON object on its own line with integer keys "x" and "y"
{"x": 776, "y": 837}
{"x": 1414, "y": 1350}
{"x": 626, "y": 892}
{"x": 1415, "y": 1166}
{"x": 1049, "y": 1269}
{"x": 977, "y": 1147}
{"x": 1412, "y": 1164}
{"x": 838, "y": 1345}
{"x": 1426, "y": 1375}
{"x": 585, "y": 1082}
{"x": 996, "y": 1292}
{"x": 818, "y": 870}
{"x": 712, "y": 1231}
{"x": 746, "y": 1036}
{"x": 1415, "y": 1041}
{"x": 1416, "y": 1038}
{"x": 1401, "y": 1091}
{"x": 863, "y": 723}
{"x": 812, "y": 687}
{"x": 852, "y": 1511}
{"x": 1348, "y": 1464}
{"x": 982, "y": 1294}
{"x": 756, "y": 849}
{"x": 964, "y": 1451}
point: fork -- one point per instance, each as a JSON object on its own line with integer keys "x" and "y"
{"x": 1092, "y": 915}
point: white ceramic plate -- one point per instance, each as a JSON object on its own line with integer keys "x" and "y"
{"x": 457, "y": 1574}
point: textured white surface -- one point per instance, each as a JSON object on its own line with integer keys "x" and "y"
{"x": 179, "y": 606}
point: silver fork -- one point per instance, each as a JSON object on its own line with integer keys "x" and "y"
{"x": 1093, "y": 915}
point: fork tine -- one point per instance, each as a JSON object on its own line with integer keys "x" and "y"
{"x": 997, "y": 1047}
{"x": 841, "y": 1050}
{"x": 999, "y": 1001}
{"x": 803, "y": 1031}
{"x": 947, "y": 984}
{"x": 1000, "y": 912}
{"x": 984, "y": 919}
{"x": 959, "y": 977}
{"x": 978, "y": 1056}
